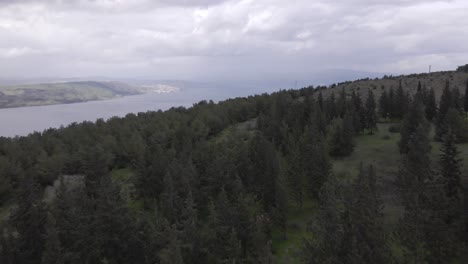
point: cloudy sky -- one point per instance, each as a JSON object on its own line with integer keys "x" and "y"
{"x": 196, "y": 39}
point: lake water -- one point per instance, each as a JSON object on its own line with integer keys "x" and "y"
{"x": 24, "y": 120}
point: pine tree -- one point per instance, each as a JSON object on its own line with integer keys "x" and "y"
{"x": 233, "y": 248}
{"x": 330, "y": 106}
{"x": 444, "y": 105}
{"x": 341, "y": 104}
{"x": 52, "y": 248}
{"x": 364, "y": 238}
{"x": 172, "y": 254}
{"x": 326, "y": 227}
{"x": 457, "y": 100}
{"x": 412, "y": 182}
{"x": 280, "y": 215}
{"x": 113, "y": 234}
{"x": 168, "y": 198}
{"x": 401, "y": 102}
{"x": 7, "y": 245}
{"x": 431, "y": 105}
{"x": 415, "y": 168}
{"x": 29, "y": 221}
{"x": 348, "y": 134}
{"x": 465, "y": 104}
{"x": 320, "y": 100}
{"x": 315, "y": 160}
{"x": 357, "y": 112}
{"x": 263, "y": 170}
{"x": 371, "y": 115}
{"x": 392, "y": 104}
{"x": 450, "y": 164}
{"x": 413, "y": 119}
{"x": 384, "y": 105}
{"x": 444, "y": 225}
{"x": 295, "y": 172}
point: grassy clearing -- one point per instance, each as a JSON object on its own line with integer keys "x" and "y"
{"x": 285, "y": 248}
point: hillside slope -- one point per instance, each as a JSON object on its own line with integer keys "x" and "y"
{"x": 62, "y": 93}
{"x": 435, "y": 80}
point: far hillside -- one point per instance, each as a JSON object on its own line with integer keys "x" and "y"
{"x": 437, "y": 80}
{"x": 62, "y": 93}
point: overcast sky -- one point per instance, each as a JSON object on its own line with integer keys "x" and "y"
{"x": 196, "y": 39}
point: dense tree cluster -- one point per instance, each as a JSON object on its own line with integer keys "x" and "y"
{"x": 201, "y": 190}
{"x": 211, "y": 183}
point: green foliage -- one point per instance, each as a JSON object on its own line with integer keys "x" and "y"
{"x": 29, "y": 219}
{"x": 212, "y": 183}
{"x": 371, "y": 114}
{"x": 465, "y": 102}
{"x": 431, "y": 105}
{"x": 450, "y": 165}
{"x": 341, "y": 142}
{"x": 463, "y": 68}
{"x": 414, "y": 119}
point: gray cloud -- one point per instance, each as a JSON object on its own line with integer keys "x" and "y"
{"x": 228, "y": 39}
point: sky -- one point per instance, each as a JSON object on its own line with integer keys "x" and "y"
{"x": 232, "y": 39}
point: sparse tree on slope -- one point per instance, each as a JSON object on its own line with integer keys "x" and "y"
{"x": 371, "y": 115}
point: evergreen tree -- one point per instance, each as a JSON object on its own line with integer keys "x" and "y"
{"x": 7, "y": 246}
{"x": 326, "y": 227}
{"x": 341, "y": 103}
{"x": 431, "y": 105}
{"x": 465, "y": 104}
{"x": 450, "y": 164}
{"x": 392, "y": 104}
{"x": 364, "y": 238}
{"x": 280, "y": 215}
{"x": 384, "y": 108}
{"x": 263, "y": 169}
{"x": 457, "y": 100}
{"x": 371, "y": 115}
{"x": 330, "y": 106}
{"x": 412, "y": 182}
{"x": 457, "y": 123}
{"x": 52, "y": 248}
{"x": 233, "y": 248}
{"x": 29, "y": 221}
{"x": 415, "y": 168}
{"x": 413, "y": 119}
{"x": 315, "y": 160}
{"x": 320, "y": 100}
{"x": 401, "y": 102}
{"x": 296, "y": 178}
{"x": 444, "y": 105}
{"x": 172, "y": 254}
{"x": 357, "y": 112}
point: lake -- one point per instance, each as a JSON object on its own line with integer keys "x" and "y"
{"x": 24, "y": 120}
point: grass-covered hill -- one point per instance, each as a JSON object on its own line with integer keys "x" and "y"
{"x": 62, "y": 93}
{"x": 436, "y": 80}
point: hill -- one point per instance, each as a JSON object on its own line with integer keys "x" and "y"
{"x": 436, "y": 80}
{"x": 62, "y": 93}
